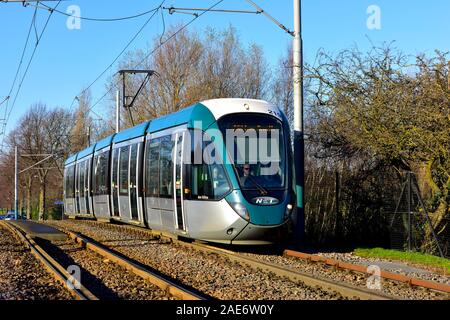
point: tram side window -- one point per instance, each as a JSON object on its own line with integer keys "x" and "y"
{"x": 70, "y": 173}
{"x": 201, "y": 183}
{"x": 133, "y": 164}
{"x": 101, "y": 173}
{"x": 114, "y": 164}
{"x": 104, "y": 169}
{"x": 123, "y": 171}
{"x": 82, "y": 167}
{"x": 77, "y": 180}
{"x": 66, "y": 183}
{"x": 95, "y": 175}
{"x": 152, "y": 168}
{"x": 166, "y": 168}
{"x": 72, "y": 181}
{"x": 85, "y": 174}
{"x": 140, "y": 169}
{"x": 208, "y": 181}
{"x": 89, "y": 176}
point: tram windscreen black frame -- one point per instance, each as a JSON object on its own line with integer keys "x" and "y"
{"x": 243, "y": 125}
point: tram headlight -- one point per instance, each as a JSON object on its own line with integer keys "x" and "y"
{"x": 288, "y": 212}
{"x": 240, "y": 210}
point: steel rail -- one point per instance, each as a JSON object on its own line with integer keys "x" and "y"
{"x": 359, "y": 268}
{"x": 344, "y": 289}
{"x": 432, "y": 285}
{"x": 167, "y": 285}
{"x": 77, "y": 290}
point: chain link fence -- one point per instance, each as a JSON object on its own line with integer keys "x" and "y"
{"x": 413, "y": 228}
{"x": 375, "y": 208}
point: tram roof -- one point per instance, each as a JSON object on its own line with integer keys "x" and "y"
{"x": 105, "y": 142}
{"x": 86, "y": 152}
{"x": 199, "y": 116}
{"x": 190, "y": 115}
{"x": 131, "y": 133}
{"x": 72, "y": 158}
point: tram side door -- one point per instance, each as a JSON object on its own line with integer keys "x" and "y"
{"x": 124, "y": 182}
{"x": 77, "y": 189}
{"x": 178, "y": 182}
{"x": 133, "y": 179}
{"x": 87, "y": 185}
{"x": 115, "y": 183}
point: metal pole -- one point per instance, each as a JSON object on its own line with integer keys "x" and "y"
{"x": 424, "y": 210}
{"x": 16, "y": 185}
{"x": 409, "y": 211}
{"x": 338, "y": 212}
{"x": 88, "y": 134}
{"x": 124, "y": 97}
{"x": 117, "y": 111}
{"x": 299, "y": 143}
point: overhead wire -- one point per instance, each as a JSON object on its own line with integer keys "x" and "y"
{"x": 160, "y": 45}
{"x": 33, "y": 19}
{"x": 164, "y": 27}
{"x": 155, "y": 10}
{"x": 270, "y": 17}
{"x": 178, "y": 31}
{"x": 54, "y": 9}
{"x": 26, "y": 70}
{"x": 100, "y": 19}
{"x": 4, "y": 100}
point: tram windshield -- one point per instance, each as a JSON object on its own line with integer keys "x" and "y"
{"x": 255, "y": 145}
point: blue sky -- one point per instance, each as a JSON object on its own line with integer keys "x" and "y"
{"x": 66, "y": 60}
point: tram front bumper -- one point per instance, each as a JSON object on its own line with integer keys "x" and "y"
{"x": 259, "y": 235}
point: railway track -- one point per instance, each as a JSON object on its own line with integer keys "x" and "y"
{"x": 350, "y": 291}
{"x": 103, "y": 274}
{"x": 77, "y": 290}
{"x": 362, "y": 269}
{"x": 172, "y": 288}
{"x": 337, "y": 288}
{"x": 346, "y": 290}
{"x": 351, "y": 280}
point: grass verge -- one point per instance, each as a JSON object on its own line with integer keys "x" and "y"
{"x": 414, "y": 257}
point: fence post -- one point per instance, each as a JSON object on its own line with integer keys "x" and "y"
{"x": 427, "y": 217}
{"x": 338, "y": 213}
{"x": 409, "y": 211}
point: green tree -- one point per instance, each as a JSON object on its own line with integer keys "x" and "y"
{"x": 391, "y": 108}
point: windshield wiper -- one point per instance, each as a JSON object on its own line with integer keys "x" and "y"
{"x": 258, "y": 186}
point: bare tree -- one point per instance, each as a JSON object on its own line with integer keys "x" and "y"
{"x": 282, "y": 93}
{"x": 82, "y": 123}
{"x": 43, "y": 132}
{"x": 193, "y": 68}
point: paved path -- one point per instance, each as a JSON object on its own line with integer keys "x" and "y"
{"x": 395, "y": 266}
{"x": 39, "y": 230}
